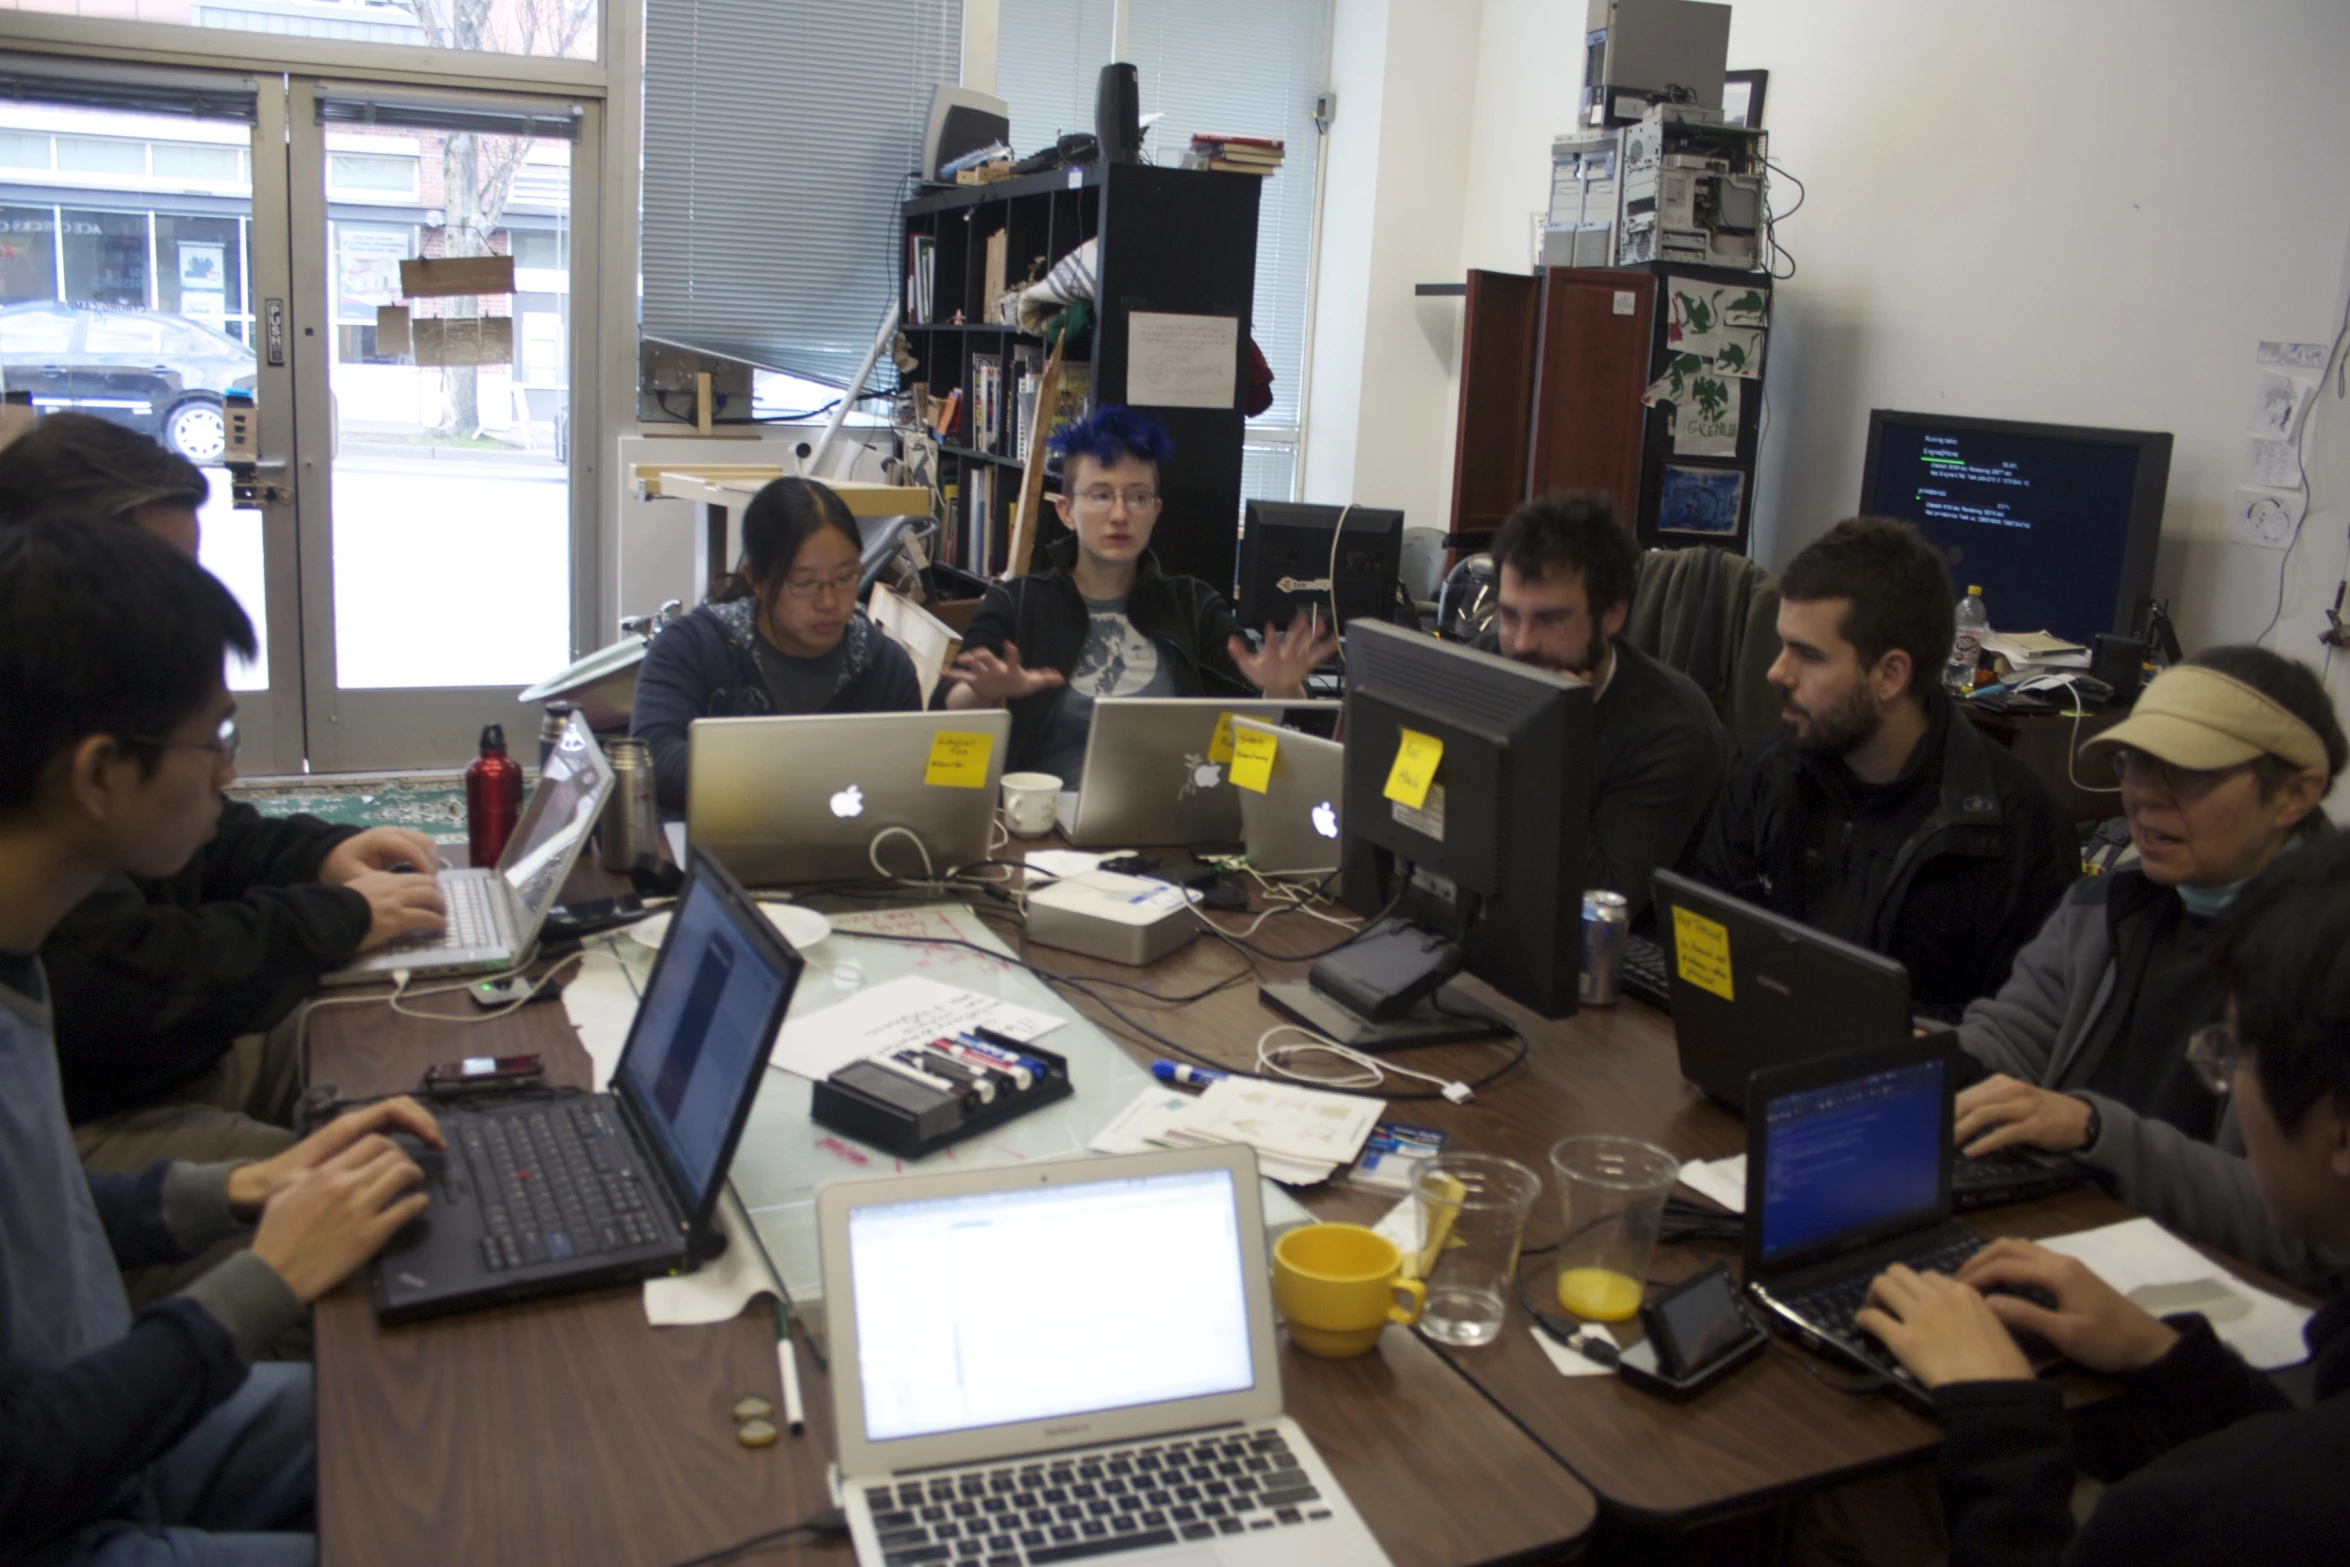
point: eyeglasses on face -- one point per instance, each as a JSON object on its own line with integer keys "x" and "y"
{"x": 844, "y": 583}
{"x": 2137, "y": 769}
{"x": 1100, "y": 497}
{"x": 223, "y": 743}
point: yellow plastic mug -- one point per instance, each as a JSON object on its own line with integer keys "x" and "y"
{"x": 1340, "y": 1285}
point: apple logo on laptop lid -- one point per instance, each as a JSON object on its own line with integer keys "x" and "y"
{"x": 849, "y": 802}
{"x": 1326, "y": 820}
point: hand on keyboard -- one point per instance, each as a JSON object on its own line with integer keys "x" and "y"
{"x": 398, "y": 905}
{"x": 1941, "y": 1330}
{"x": 2001, "y": 1110}
{"x": 2035, "y": 1290}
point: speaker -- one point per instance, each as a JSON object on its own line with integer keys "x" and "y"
{"x": 1117, "y": 114}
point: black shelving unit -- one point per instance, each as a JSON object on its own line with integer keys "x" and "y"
{"x": 1178, "y": 241}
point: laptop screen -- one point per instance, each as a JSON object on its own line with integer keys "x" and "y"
{"x": 1049, "y": 1301}
{"x": 557, "y": 815}
{"x": 701, "y": 1034}
{"x": 1852, "y": 1157}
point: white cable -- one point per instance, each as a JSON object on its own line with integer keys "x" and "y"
{"x": 873, "y": 853}
{"x": 491, "y": 1014}
{"x": 1337, "y": 537}
{"x": 1369, "y": 1073}
{"x": 2072, "y": 752}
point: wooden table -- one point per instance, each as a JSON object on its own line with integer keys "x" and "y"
{"x": 570, "y": 1431}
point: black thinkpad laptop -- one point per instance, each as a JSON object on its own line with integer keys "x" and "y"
{"x": 582, "y": 1189}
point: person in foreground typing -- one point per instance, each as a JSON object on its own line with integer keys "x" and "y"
{"x": 2229, "y": 1470}
{"x": 150, "y": 1438}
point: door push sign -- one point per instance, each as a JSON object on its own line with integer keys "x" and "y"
{"x": 273, "y": 317}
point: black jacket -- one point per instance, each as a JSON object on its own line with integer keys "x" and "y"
{"x": 1044, "y": 616}
{"x": 2220, "y": 1467}
{"x": 152, "y": 980}
{"x": 1959, "y": 895}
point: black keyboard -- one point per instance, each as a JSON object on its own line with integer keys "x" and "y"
{"x": 2011, "y": 1174}
{"x": 1831, "y": 1306}
{"x": 1643, "y": 973}
{"x": 552, "y": 1182}
{"x": 1095, "y": 1503}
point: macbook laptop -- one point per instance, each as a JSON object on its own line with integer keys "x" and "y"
{"x": 834, "y": 796}
{"x": 495, "y": 915}
{"x": 1148, "y": 776}
{"x": 1075, "y": 1358}
{"x": 1293, "y": 826}
{"x": 563, "y": 1191}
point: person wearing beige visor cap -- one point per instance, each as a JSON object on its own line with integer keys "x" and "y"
{"x": 2092, "y": 1044}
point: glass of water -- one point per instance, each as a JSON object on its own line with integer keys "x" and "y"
{"x": 1472, "y": 1214}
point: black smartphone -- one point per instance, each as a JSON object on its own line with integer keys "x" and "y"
{"x": 477, "y": 1074}
{"x": 574, "y": 920}
{"x": 1697, "y": 1333}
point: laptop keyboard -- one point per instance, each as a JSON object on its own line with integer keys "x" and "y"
{"x": 471, "y": 924}
{"x": 1643, "y": 972}
{"x": 1096, "y": 1503}
{"x": 2011, "y": 1174}
{"x": 1831, "y": 1306}
{"x": 552, "y": 1182}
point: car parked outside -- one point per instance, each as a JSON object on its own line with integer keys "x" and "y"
{"x": 160, "y": 374}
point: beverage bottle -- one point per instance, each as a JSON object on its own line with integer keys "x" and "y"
{"x": 1974, "y": 623}
{"x": 493, "y": 797}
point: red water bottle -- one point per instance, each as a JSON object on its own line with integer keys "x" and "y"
{"x": 493, "y": 797}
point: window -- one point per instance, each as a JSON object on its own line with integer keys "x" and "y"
{"x": 778, "y": 137}
{"x": 207, "y": 165}
{"x": 540, "y": 250}
{"x": 28, "y": 253}
{"x": 101, "y": 155}
{"x": 105, "y": 257}
{"x": 124, "y": 334}
{"x": 569, "y": 29}
{"x": 36, "y": 332}
{"x": 24, "y": 150}
{"x": 371, "y": 174}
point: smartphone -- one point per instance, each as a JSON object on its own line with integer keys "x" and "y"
{"x": 573, "y": 920}
{"x": 1696, "y": 1333}
{"x": 481, "y": 1072}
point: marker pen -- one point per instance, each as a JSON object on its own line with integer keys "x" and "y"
{"x": 1189, "y": 1076}
{"x": 929, "y": 1058}
{"x": 986, "y": 1061}
{"x": 937, "y": 1085}
{"x": 990, "y": 1043}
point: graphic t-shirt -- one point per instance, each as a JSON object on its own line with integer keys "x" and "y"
{"x": 1118, "y": 661}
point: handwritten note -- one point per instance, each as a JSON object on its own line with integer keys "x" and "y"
{"x": 958, "y": 759}
{"x": 1701, "y": 952}
{"x": 1220, "y": 743}
{"x": 1416, "y": 756}
{"x": 1253, "y": 751}
{"x": 1182, "y": 361}
{"x": 903, "y": 1012}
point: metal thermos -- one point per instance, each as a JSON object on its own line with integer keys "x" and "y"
{"x": 557, "y": 718}
{"x": 493, "y": 798}
{"x": 1607, "y": 923}
{"x": 631, "y": 824}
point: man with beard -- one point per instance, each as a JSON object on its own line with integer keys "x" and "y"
{"x": 1567, "y": 574}
{"x": 1878, "y": 813}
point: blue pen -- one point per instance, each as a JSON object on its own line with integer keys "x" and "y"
{"x": 990, "y": 1043}
{"x": 1190, "y": 1076}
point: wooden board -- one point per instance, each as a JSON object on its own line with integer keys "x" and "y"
{"x": 1048, "y": 394}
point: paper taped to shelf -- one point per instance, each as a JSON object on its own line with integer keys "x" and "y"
{"x": 463, "y": 340}
{"x": 1185, "y": 361}
{"x": 448, "y": 275}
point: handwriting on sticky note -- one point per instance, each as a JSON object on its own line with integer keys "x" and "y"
{"x": 1220, "y": 743}
{"x": 958, "y": 759}
{"x": 1416, "y": 756}
{"x": 1701, "y": 952}
{"x": 1253, "y": 751}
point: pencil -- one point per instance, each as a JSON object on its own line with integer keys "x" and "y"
{"x": 793, "y": 1412}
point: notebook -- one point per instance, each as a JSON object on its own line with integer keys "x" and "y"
{"x": 495, "y": 915}
{"x": 1069, "y": 1359}
{"x": 562, "y": 1191}
{"x": 1155, "y": 773}
{"x": 845, "y": 796}
{"x": 1293, "y": 825}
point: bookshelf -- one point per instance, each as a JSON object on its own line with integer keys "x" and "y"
{"x": 1172, "y": 241}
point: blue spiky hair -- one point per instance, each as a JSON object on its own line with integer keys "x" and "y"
{"x": 1109, "y": 435}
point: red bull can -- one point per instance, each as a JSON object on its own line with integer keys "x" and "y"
{"x": 1607, "y": 923}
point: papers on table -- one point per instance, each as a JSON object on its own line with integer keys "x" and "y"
{"x": 2165, "y": 1275}
{"x": 1722, "y": 1180}
{"x": 601, "y": 1003}
{"x": 719, "y": 1289}
{"x": 903, "y": 1012}
{"x": 1301, "y": 1135}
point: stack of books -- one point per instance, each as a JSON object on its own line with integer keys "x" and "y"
{"x": 1234, "y": 154}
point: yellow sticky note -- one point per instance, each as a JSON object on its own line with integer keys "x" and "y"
{"x": 1253, "y": 751}
{"x": 1220, "y": 743}
{"x": 1701, "y": 951}
{"x": 1415, "y": 768}
{"x": 958, "y": 759}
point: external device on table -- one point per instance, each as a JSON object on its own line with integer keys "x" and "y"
{"x": 1340, "y": 562}
{"x": 2056, "y": 523}
{"x": 575, "y": 920}
{"x": 1097, "y": 1328}
{"x": 816, "y": 797}
{"x": 1292, "y": 827}
{"x": 1761, "y": 990}
{"x": 492, "y": 994}
{"x": 495, "y": 915}
{"x": 916, "y": 1100}
{"x": 1696, "y": 1333}
{"x": 1157, "y": 769}
{"x": 582, "y": 1189}
{"x": 482, "y": 1074}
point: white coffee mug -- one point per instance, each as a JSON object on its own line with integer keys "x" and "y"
{"x": 1030, "y": 801}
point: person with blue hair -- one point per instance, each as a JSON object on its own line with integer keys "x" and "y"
{"x": 1103, "y": 620}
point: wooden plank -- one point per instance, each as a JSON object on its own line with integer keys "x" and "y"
{"x": 1023, "y": 543}
{"x": 443, "y": 276}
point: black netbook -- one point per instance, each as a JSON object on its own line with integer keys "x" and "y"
{"x": 578, "y": 1189}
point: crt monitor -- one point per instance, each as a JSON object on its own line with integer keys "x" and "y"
{"x": 1297, "y": 557}
{"x": 1492, "y": 858}
{"x": 962, "y": 120}
{"x": 2057, "y": 524}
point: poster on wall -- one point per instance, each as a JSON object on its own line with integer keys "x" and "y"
{"x": 1705, "y": 423}
{"x": 1700, "y": 500}
{"x": 204, "y": 283}
{"x": 367, "y": 270}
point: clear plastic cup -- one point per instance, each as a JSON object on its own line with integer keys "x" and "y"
{"x": 1473, "y": 1211}
{"x": 1612, "y": 1197}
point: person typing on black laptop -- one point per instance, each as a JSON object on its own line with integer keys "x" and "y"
{"x": 2223, "y": 766}
{"x": 125, "y": 1438}
{"x": 1567, "y": 573}
{"x": 1877, "y": 813}
{"x": 170, "y": 995}
{"x": 2226, "y": 1469}
{"x": 1102, "y": 620}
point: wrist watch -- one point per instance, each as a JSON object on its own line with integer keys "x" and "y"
{"x": 2096, "y": 1122}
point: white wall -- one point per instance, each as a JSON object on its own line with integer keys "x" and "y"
{"x": 2088, "y": 212}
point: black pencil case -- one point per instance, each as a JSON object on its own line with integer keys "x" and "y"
{"x": 906, "y": 1118}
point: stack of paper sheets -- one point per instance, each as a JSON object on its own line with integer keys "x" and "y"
{"x": 1301, "y": 1135}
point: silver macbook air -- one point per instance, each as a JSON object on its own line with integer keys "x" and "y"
{"x": 1292, "y": 827}
{"x": 1067, "y": 1359}
{"x": 837, "y": 796}
{"x": 495, "y": 915}
{"x": 1154, "y": 773}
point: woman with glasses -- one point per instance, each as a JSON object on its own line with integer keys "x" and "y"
{"x": 1102, "y": 619}
{"x": 784, "y": 635}
{"x": 2094, "y": 1044}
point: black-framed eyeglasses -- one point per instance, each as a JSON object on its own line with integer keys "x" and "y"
{"x": 2137, "y": 769}
{"x": 2212, "y": 1052}
{"x": 223, "y": 743}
